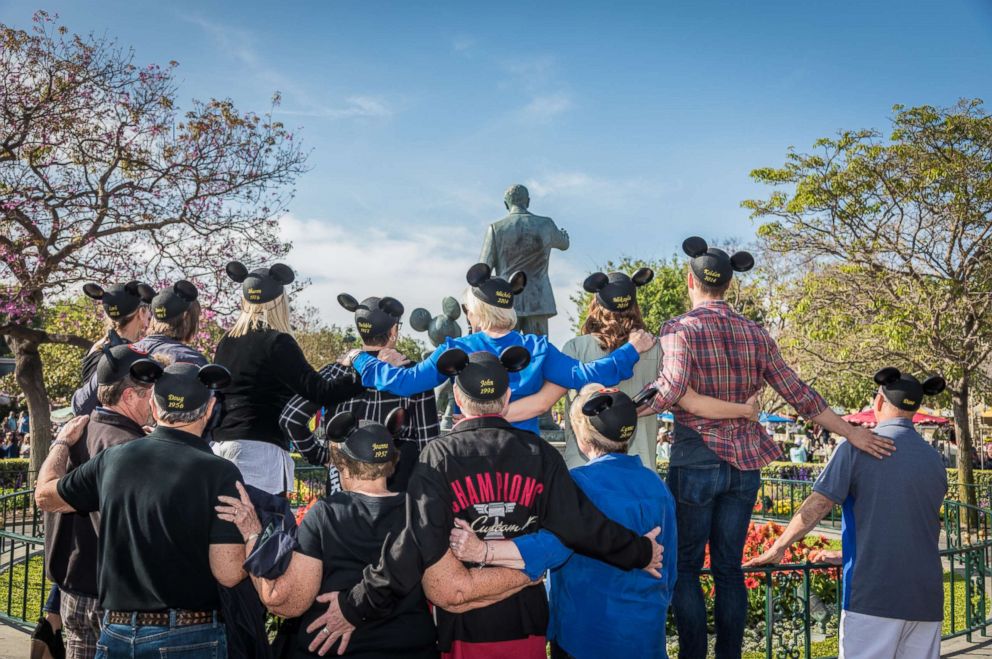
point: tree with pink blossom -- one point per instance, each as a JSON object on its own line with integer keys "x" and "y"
{"x": 102, "y": 178}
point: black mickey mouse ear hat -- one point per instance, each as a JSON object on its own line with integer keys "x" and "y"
{"x": 261, "y": 285}
{"x": 713, "y": 266}
{"x": 612, "y": 413}
{"x": 120, "y": 300}
{"x": 181, "y": 387}
{"x": 483, "y": 375}
{"x": 495, "y": 290}
{"x": 373, "y": 315}
{"x": 904, "y": 390}
{"x": 371, "y": 443}
{"x": 116, "y": 362}
{"x": 172, "y": 302}
{"x": 617, "y": 291}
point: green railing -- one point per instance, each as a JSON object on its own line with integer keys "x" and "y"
{"x": 794, "y": 609}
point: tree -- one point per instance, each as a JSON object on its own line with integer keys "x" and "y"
{"x": 102, "y": 179}
{"x": 897, "y": 234}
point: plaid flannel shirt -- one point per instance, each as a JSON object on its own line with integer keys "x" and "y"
{"x": 722, "y": 354}
{"x": 422, "y": 420}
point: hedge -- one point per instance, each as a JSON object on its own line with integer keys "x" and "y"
{"x": 14, "y": 473}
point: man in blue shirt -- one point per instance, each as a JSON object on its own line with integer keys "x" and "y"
{"x": 893, "y": 577}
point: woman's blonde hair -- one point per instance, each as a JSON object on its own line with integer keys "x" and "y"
{"x": 612, "y": 328}
{"x": 268, "y": 315}
{"x": 582, "y": 425}
{"x": 487, "y": 316}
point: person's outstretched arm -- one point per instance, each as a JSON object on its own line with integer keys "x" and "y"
{"x": 290, "y": 366}
{"x": 708, "y": 407}
{"x": 295, "y": 419}
{"x": 399, "y": 380}
{"x": 609, "y": 371}
{"x": 454, "y": 588}
{"x": 535, "y": 404}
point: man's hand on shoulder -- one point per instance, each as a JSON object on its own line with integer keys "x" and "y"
{"x": 641, "y": 340}
{"x": 73, "y": 430}
{"x": 393, "y": 357}
{"x": 865, "y": 440}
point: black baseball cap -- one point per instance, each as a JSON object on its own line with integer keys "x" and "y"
{"x": 904, "y": 390}
{"x": 617, "y": 291}
{"x": 373, "y": 315}
{"x": 367, "y": 441}
{"x": 483, "y": 375}
{"x": 261, "y": 285}
{"x": 495, "y": 290}
{"x": 612, "y": 413}
{"x": 181, "y": 387}
{"x": 172, "y": 302}
{"x": 115, "y": 365}
{"x": 120, "y": 300}
{"x": 714, "y": 266}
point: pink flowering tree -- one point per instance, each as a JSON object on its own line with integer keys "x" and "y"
{"x": 103, "y": 179}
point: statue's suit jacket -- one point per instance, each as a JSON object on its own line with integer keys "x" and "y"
{"x": 523, "y": 241}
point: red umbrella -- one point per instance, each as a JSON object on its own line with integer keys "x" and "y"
{"x": 867, "y": 418}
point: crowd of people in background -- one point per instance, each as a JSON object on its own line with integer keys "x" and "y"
{"x": 171, "y": 529}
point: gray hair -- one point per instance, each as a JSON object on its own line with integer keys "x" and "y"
{"x": 179, "y": 418}
{"x": 476, "y": 407}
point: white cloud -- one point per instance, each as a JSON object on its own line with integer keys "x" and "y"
{"x": 419, "y": 267}
{"x": 546, "y": 106}
{"x": 354, "y": 107}
{"x": 463, "y": 44}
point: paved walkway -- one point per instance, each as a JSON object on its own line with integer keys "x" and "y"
{"x": 13, "y": 642}
{"x": 959, "y": 648}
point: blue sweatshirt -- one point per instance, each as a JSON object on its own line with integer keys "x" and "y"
{"x": 598, "y": 610}
{"x": 546, "y": 363}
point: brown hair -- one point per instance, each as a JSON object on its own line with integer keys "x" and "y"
{"x": 111, "y": 394}
{"x": 181, "y": 328}
{"x": 363, "y": 471}
{"x": 612, "y": 328}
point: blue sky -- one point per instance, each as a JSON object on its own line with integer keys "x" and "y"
{"x": 633, "y": 125}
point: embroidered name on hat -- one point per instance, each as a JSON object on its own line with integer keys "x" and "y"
{"x": 621, "y": 301}
{"x": 711, "y": 275}
{"x": 176, "y": 402}
{"x": 380, "y": 450}
{"x": 487, "y": 387}
{"x": 160, "y": 312}
{"x": 626, "y": 432}
{"x": 254, "y": 293}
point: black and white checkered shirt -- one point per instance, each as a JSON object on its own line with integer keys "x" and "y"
{"x": 421, "y": 427}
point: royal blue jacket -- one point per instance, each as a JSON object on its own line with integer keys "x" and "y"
{"x": 598, "y": 610}
{"x": 546, "y": 363}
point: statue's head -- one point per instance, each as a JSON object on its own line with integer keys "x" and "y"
{"x": 516, "y": 195}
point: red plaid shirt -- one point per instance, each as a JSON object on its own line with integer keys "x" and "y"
{"x": 722, "y": 354}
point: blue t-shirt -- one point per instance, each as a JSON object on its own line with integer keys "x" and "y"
{"x": 546, "y": 363}
{"x": 891, "y": 525}
{"x": 598, "y": 610}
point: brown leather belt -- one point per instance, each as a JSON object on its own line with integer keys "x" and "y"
{"x": 184, "y": 618}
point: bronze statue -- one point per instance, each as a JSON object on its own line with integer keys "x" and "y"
{"x": 523, "y": 241}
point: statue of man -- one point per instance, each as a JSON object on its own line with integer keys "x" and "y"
{"x": 523, "y": 241}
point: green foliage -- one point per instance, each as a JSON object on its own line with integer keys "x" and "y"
{"x": 29, "y": 577}
{"x": 14, "y": 474}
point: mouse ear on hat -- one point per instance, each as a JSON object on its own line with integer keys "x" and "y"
{"x": 214, "y": 376}
{"x": 340, "y": 426}
{"x": 392, "y": 306}
{"x": 186, "y": 290}
{"x": 518, "y": 281}
{"x": 595, "y": 282}
{"x": 596, "y": 405}
{"x": 236, "y": 271}
{"x": 94, "y": 291}
{"x": 395, "y": 421}
{"x": 146, "y": 370}
{"x": 452, "y": 362}
{"x": 451, "y": 308}
{"x": 515, "y": 358}
{"x": 886, "y": 376}
{"x": 348, "y": 302}
{"x": 478, "y": 274}
{"x": 694, "y": 246}
{"x": 742, "y": 261}
{"x": 934, "y": 385}
{"x": 642, "y": 276}
{"x": 146, "y": 293}
{"x": 282, "y": 273}
{"x": 420, "y": 319}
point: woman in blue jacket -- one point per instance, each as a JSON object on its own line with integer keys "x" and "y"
{"x": 489, "y": 308}
{"x": 597, "y": 610}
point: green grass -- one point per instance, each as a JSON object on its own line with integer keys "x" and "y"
{"x": 14, "y": 588}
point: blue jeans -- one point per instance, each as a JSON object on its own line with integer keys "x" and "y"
{"x": 207, "y": 641}
{"x": 713, "y": 504}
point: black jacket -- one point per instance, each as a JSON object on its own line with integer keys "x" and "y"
{"x": 267, "y": 367}
{"x": 505, "y": 482}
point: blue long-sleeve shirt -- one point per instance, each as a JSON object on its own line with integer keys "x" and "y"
{"x": 546, "y": 363}
{"x": 596, "y": 609}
